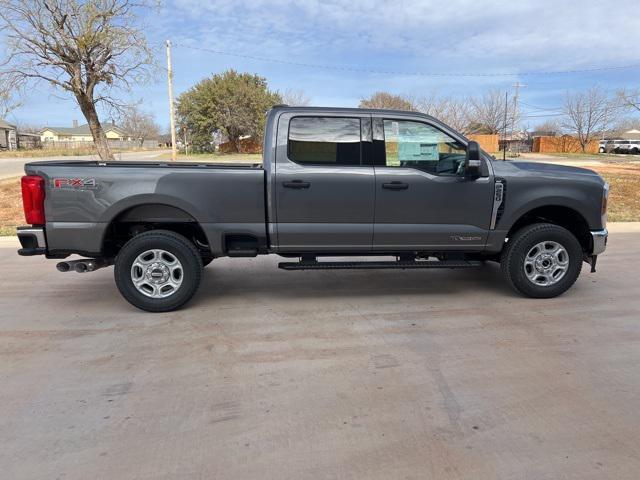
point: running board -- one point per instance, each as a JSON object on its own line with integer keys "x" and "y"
{"x": 379, "y": 265}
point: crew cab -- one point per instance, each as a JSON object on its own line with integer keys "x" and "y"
{"x": 399, "y": 188}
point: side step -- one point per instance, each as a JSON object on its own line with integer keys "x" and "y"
{"x": 306, "y": 265}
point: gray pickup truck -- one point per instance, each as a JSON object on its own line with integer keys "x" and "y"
{"x": 334, "y": 182}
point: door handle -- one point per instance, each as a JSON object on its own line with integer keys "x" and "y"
{"x": 296, "y": 184}
{"x": 395, "y": 186}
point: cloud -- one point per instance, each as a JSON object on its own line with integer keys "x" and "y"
{"x": 495, "y": 36}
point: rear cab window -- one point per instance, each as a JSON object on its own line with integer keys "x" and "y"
{"x": 316, "y": 140}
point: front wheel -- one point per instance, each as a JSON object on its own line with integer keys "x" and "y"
{"x": 542, "y": 260}
{"x": 158, "y": 271}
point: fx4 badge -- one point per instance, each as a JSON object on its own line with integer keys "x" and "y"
{"x": 74, "y": 183}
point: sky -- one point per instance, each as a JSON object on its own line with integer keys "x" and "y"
{"x": 402, "y": 46}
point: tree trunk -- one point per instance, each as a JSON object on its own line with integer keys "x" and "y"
{"x": 88, "y": 108}
{"x": 238, "y": 144}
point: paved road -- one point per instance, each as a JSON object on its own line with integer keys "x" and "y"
{"x": 13, "y": 167}
{"x": 297, "y": 375}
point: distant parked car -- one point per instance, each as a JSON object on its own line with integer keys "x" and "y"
{"x": 612, "y": 146}
{"x": 629, "y": 146}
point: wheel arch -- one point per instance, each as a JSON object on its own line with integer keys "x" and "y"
{"x": 139, "y": 218}
{"x": 560, "y": 215}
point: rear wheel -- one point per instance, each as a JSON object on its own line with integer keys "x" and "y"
{"x": 158, "y": 271}
{"x": 542, "y": 260}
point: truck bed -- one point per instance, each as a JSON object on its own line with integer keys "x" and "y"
{"x": 82, "y": 198}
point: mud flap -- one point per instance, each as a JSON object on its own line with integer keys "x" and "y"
{"x": 591, "y": 260}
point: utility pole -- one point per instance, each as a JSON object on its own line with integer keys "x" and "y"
{"x": 504, "y": 130}
{"x": 517, "y": 86}
{"x": 172, "y": 119}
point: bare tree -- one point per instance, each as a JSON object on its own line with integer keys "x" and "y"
{"x": 487, "y": 113}
{"x": 295, "y": 98}
{"x": 140, "y": 125}
{"x": 451, "y": 111}
{"x": 630, "y": 99}
{"x": 9, "y": 96}
{"x": 587, "y": 114}
{"x": 90, "y": 49}
{"x": 29, "y": 128}
{"x": 549, "y": 127}
{"x": 388, "y": 101}
{"x": 624, "y": 125}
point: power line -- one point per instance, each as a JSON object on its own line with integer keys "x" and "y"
{"x": 393, "y": 72}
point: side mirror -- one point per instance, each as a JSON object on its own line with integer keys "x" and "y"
{"x": 472, "y": 162}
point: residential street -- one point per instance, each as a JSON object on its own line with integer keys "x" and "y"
{"x": 322, "y": 374}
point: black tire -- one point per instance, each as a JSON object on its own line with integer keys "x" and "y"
{"x": 176, "y": 245}
{"x": 512, "y": 262}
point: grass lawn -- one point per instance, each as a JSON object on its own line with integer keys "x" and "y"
{"x": 215, "y": 157}
{"x": 624, "y": 198}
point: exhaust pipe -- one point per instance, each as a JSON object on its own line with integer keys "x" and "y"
{"x": 92, "y": 264}
{"x": 84, "y": 265}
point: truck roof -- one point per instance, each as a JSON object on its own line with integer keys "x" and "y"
{"x": 358, "y": 111}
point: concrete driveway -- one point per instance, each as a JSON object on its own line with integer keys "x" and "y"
{"x": 13, "y": 167}
{"x": 296, "y": 375}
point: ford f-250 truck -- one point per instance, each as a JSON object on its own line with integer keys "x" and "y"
{"x": 334, "y": 182}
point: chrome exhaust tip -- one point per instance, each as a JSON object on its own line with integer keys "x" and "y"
{"x": 63, "y": 266}
{"x": 81, "y": 267}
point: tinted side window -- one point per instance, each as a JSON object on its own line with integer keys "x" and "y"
{"x": 421, "y": 146}
{"x": 324, "y": 140}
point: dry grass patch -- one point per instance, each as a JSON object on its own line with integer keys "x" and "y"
{"x": 11, "y": 214}
{"x": 624, "y": 197}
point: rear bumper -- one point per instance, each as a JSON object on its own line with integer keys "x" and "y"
{"x": 32, "y": 240}
{"x": 599, "y": 241}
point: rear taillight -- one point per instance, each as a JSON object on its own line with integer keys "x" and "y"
{"x": 605, "y": 198}
{"x": 33, "y": 199}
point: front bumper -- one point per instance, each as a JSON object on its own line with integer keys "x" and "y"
{"x": 599, "y": 241}
{"x": 32, "y": 240}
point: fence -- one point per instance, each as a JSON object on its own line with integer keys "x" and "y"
{"x": 247, "y": 145}
{"x": 563, "y": 144}
{"x": 488, "y": 143}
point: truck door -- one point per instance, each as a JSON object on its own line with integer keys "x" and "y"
{"x": 324, "y": 189}
{"x": 423, "y": 200}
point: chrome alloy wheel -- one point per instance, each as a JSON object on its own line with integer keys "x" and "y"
{"x": 157, "y": 273}
{"x": 546, "y": 263}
